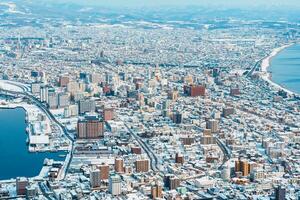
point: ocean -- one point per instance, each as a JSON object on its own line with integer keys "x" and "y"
{"x": 285, "y": 68}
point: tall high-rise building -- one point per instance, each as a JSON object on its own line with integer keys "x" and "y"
{"x": 213, "y": 125}
{"x": 177, "y": 118}
{"x": 95, "y": 178}
{"x": 52, "y": 99}
{"x": 156, "y": 191}
{"x": 86, "y": 105}
{"x": 63, "y": 100}
{"x": 104, "y": 171}
{"x": 44, "y": 94}
{"x": 35, "y": 88}
{"x": 174, "y": 183}
{"x": 171, "y": 182}
{"x": 119, "y": 165}
{"x": 142, "y": 165}
{"x": 21, "y": 184}
{"x": 115, "y": 184}
{"x": 242, "y": 166}
{"x": 90, "y": 128}
{"x": 280, "y": 193}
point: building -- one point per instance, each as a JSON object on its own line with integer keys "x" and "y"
{"x": 108, "y": 114}
{"x": 156, "y": 191}
{"x": 73, "y": 87}
{"x": 91, "y": 127}
{"x": 77, "y": 96}
{"x": 194, "y": 90}
{"x": 213, "y": 125}
{"x": 215, "y": 72}
{"x": 115, "y": 184}
{"x": 171, "y": 181}
{"x": 257, "y": 174}
{"x": 73, "y": 110}
{"x": 95, "y": 178}
{"x": 235, "y": 91}
{"x": 63, "y": 81}
{"x": 63, "y": 100}
{"x": 21, "y": 184}
{"x": 179, "y": 158}
{"x": 44, "y": 94}
{"x": 242, "y": 166}
{"x": 225, "y": 173}
{"x": 173, "y": 95}
{"x": 104, "y": 171}
{"x": 95, "y": 78}
{"x": 52, "y": 100}
{"x": 35, "y": 88}
{"x": 177, "y": 118}
{"x": 31, "y": 192}
{"x": 136, "y": 150}
{"x": 119, "y": 165}
{"x": 86, "y": 105}
{"x": 187, "y": 140}
{"x": 227, "y": 111}
{"x": 205, "y": 183}
{"x": 280, "y": 193}
{"x": 188, "y": 79}
{"x": 142, "y": 165}
{"x": 208, "y": 138}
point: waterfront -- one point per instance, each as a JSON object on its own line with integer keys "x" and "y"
{"x": 15, "y": 158}
{"x": 285, "y": 68}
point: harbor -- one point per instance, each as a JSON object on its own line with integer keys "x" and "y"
{"x": 14, "y": 150}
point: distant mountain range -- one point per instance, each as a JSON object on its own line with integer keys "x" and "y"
{"x": 24, "y": 11}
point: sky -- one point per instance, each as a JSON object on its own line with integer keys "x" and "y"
{"x": 229, "y": 3}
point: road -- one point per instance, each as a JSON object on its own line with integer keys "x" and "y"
{"x": 257, "y": 64}
{"x": 146, "y": 148}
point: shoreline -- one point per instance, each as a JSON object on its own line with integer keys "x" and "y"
{"x": 50, "y": 154}
{"x": 40, "y": 172}
{"x": 27, "y": 110}
{"x": 266, "y": 75}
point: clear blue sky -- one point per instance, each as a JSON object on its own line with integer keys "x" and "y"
{"x": 229, "y": 3}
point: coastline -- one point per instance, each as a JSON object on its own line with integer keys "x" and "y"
{"x": 51, "y": 155}
{"x": 266, "y": 75}
{"x": 38, "y": 173}
{"x": 27, "y": 108}
{"x": 31, "y": 112}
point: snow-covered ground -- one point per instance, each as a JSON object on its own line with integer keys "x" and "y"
{"x": 7, "y": 85}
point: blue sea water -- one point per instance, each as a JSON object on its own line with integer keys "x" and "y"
{"x": 285, "y": 68}
{"x": 15, "y": 159}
